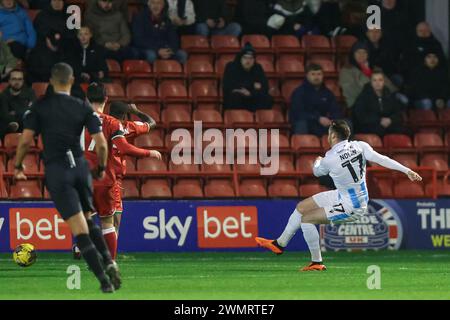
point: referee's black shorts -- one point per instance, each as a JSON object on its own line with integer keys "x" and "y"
{"x": 70, "y": 188}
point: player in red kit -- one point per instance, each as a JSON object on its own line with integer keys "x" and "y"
{"x": 132, "y": 129}
{"x": 104, "y": 190}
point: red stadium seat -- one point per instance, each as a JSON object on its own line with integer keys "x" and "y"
{"x": 344, "y": 43}
{"x": 427, "y": 140}
{"x": 225, "y": 44}
{"x": 188, "y": 188}
{"x": 11, "y": 141}
{"x": 137, "y": 69}
{"x": 308, "y": 190}
{"x": 305, "y": 163}
{"x": 270, "y": 116}
{"x": 30, "y": 162}
{"x": 168, "y": 69}
{"x": 39, "y": 88}
{"x": 141, "y": 91}
{"x": 316, "y": 44}
{"x": 29, "y": 189}
{"x": 200, "y": 69}
{"x": 221, "y": 63}
{"x": 210, "y": 117}
{"x": 286, "y": 44}
{"x": 286, "y": 165}
{"x": 130, "y": 164}
{"x": 115, "y": 91}
{"x": 288, "y": 88}
{"x": 408, "y": 189}
{"x": 372, "y": 139}
{"x": 184, "y": 167}
{"x": 408, "y": 160}
{"x": 176, "y": 115}
{"x": 151, "y": 165}
{"x": 114, "y": 70}
{"x": 156, "y": 188}
{"x": 437, "y": 161}
{"x": 394, "y": 142}
{"x": 216, "y": 168}
{"x": 283, "y": 188}
{"x": 324, "y": 142}
{"x": 149, "y": 141}
{"x": 290, "y": 68}
{"x": 252, "y": 188}
{"x": 204, "y": 91}
{"x": 219, "y": 188}
{"x": 173, "y": 91}
{"x": 239, "y": 118}
{"x": 130, "y": 189}
{"x": 306, "y": 143}
{"x": 258, "y": 41}
{"x": 195, "y": 44}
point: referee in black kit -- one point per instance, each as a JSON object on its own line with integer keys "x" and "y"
{"x": 60, "y": 119}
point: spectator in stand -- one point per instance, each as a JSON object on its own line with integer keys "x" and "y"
{"x": 7, "y": 60}
{"x": 245, "y": 85}
{"x": 395, "y": 25}
{"x": 87, "y": 58}
{"x": 44, "y": 56}
{"x": 54, "y": 17}
{"x": 429, "y": 85}
{"x": 182, "y": 15}
{"x": 252, "y": 15}
{"x": 423, "y": 41}
{"x": 17, "y": 29}
{"x": 154, "y": 36}
{"x": 286, "y": 16}
{"x": 320, "y": 17}
{"x": 376, "y": 110}
{"x": 354, "y": 76}
{"x": 211, "y": 19}
{"x": 117, "y": 5}
{"x": 15, "y": 100}
{"x": 381, "y": 56}
{"x": 110, "y": 29}
{"x": 313, "y": 105}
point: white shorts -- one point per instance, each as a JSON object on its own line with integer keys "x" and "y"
{"x": 336, "y": 208}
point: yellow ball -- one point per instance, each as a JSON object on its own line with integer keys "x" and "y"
{"x": 24, "y": 255}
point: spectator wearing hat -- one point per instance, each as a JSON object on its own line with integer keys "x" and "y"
{"x": 154, "y": 36}
{"x": 14, "y": 101}
{"x": 429, "y": 85}
{"x": 17, "y": 29}
{"x": 354, "y": 76}
{"x": 211, "y": 19}
{"x": 182, "y": 15}
{"x": 313, "y": 105}
{"x": 7, "y": 59}
{"x": 245, "y": 85}
{"x": 110, "y": 29}
{"x": 44, "y": 56}
{"x": 53, "y": 17}
{"x": 376, "y": 110}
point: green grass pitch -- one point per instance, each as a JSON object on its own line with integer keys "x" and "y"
{"x": 203, "y": 276}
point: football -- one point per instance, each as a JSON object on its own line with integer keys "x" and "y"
{"x": 24, "y": 255}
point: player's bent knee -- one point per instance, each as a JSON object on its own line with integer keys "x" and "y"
{"x": 107, "y": 222}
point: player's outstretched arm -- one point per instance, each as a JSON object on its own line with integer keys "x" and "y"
{"x": 387, "y": 162}
{"x": 142, "y": 116}
{"x": 125, "y": 148}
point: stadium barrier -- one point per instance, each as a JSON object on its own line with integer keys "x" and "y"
{"x": 231, "y": 225}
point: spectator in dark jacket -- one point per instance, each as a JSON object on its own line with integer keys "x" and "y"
{"x": 286, "y": 16}
{"x": 110, "y": 29}
{"x": 423, "y": 41}
{"x": 382, "y": 56}
{"x": 395, "y": 25}
{"x": 211, "y": 19}
{"x": 320, "y": 17}
{"x": 245, "y": 85}
{"x": 17, "y": 28}
{"x": 14, "y": 101}
{"x": 54, "y": 17}
{"x": 118, "y": 5}
{"x": 87, "y": 58}
{"x": 7, "y": 60}
{"x": 429, "y": 85}
{"x": 313, "y": 105}
{"x": 252, "y": 15}
{"x": 154, "y": 36}
{"x": 377, "y": 110}
{"x": 43, "y": 57}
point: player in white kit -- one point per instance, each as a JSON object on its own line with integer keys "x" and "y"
{"x": 346, "y": 164}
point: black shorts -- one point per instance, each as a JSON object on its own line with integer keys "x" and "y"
{"x": 70, "y": 188}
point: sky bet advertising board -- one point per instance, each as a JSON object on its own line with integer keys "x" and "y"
{"x": 173, "y": 226}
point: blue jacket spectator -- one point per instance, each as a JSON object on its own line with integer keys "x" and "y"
{"x": 313, "y": 105}
{"x": 154, "y": 36}
{"x": 17, "y": 28}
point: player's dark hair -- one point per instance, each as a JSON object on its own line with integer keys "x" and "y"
{"x": 62, "y": 73}
{"x": 313, "y": 67}
{"x": 341, "y": 128}
{"x": 96, "y": 93}
{"x": 118, "y": 109}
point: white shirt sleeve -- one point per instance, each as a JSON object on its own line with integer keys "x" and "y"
{"x": 380, "y": 159}
{"x": 190, "y": 13}
{"x": 320, "y": 168}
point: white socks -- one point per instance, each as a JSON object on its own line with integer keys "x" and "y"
{"x": 312, "y": 238}
{"x": 294, "y": 223}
